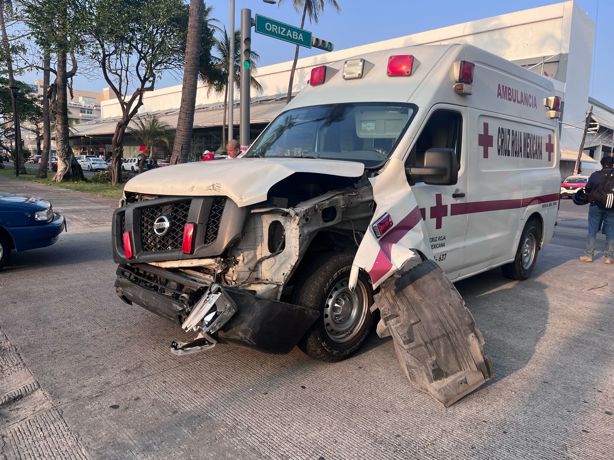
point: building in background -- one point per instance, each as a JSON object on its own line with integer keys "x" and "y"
{"x": 555, "y": 41}
{"x": 83, "y": 107}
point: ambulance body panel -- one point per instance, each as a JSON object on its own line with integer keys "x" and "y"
{"x": 445, "y": 152}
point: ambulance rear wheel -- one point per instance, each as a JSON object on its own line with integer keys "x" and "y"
{"x": 526, "y": 255}
{"x": 345, "y": 320}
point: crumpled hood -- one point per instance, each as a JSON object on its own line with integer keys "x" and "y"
{"x": 246, "y": 181}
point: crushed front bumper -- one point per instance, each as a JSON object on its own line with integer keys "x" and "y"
{"x": 266, "y": 325}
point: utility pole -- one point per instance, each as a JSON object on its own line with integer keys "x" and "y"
{"x": 231, "y": 71}
{"x": 578, "y": 166}
{"x": 246, "y": 54}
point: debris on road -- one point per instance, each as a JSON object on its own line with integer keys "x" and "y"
{"x": 435, "y": 337}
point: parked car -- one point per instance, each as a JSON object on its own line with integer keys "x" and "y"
{"x": 571, "y": 185}
{"x": 91, "y": 163}
{"x": 35, "y": 159}
{"x": 27, "y": 223}
{"x": 130, "y": 164}
{"x": 53, "y": 163}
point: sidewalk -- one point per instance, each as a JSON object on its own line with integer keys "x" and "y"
{"x": 83, "y": 211}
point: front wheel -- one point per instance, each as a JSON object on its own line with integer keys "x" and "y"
{"x": 345, "y": 320}
{"x": 526, "y": 254}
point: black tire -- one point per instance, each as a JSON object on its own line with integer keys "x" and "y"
{"x": 323, "y": 287}
{"x": 526, "y": 254}
{"x": 132, "y": 169}
{"x": 5, "y": 250}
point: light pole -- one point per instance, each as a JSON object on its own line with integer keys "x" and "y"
{"x": 231, "y": 66}
{"x": 231, "y": 71}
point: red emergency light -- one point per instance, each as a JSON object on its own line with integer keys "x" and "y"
{"x": 464, "y": 72}
{"x": 382, "y": 225}
{"x": 187, "y": 244}
{"x": 127, "y": 240}
{"x": 318, "y": 75}
{"x": 400, "y": 65}
{"x": 463, "y": 77}
{"x": 553, "y": 104}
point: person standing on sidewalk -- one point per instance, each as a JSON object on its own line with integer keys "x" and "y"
{"x": 600, "y": 190}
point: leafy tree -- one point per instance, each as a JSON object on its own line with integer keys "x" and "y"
{"x": 28, "y": 108}
{"x": 134, "y": 41}
{"x": 150, "y": 131}
{"x": 311, "y": 9}
{"x": 221, "y": 65}
{"x": 6, "y": 8}
{"x": 57, "y": 27}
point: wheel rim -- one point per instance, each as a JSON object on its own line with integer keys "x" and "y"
{"x": 1, "y": 251}
{"x": 345, "y": 311}
{"x": 529, "y": 249}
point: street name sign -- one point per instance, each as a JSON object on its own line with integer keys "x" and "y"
{"x": 282, "y": 31}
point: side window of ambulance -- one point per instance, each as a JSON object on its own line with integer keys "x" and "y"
{"x": 443, "y": 130}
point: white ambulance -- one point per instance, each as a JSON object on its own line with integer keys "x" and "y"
{"x": 446, "y": 153}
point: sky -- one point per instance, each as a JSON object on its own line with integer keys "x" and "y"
{"x": 365, "y": 21}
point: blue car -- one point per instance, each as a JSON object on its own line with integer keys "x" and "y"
{"x": 27, "y": 223}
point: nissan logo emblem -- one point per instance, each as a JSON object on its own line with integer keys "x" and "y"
{"x": 161, "y": 225}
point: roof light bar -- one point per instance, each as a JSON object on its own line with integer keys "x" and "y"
{"x": 553, "y": 103}
{"x": 463, "y": 77}
{"x": 318, "y": 75}
{"x": 353, "y": 69}
{"x": 400, "y": 65}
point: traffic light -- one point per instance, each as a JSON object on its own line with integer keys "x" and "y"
{"x": 593, "y": 127}
{"x": 321, "y": 44}
{"x": 247, "y": 53}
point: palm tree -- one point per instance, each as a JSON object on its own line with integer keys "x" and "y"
{"x": 311, "y": 8}
{"x": 150, "y": 131}
{"x": 222, "y": 48}
{"x": 183, "y": 141}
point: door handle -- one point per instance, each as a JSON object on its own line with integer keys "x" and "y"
{"x": 458, "y": 195}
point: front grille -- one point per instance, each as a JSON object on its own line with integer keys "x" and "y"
{"x": 177, "y": 215}
{"x": 122, "y": 221}
{"x": 215, "y": 217}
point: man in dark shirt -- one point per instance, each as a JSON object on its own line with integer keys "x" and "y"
{"x": 598, "y": 215}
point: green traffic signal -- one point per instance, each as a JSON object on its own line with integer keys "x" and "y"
{"x": 247, "y": 64}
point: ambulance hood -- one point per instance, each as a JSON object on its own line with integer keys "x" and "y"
{"x": 246, "y": 181}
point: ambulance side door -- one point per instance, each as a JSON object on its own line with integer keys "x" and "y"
{"x": 444, "y": 128}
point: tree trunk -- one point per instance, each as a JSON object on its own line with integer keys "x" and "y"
{"x": 18, "y": 159}
{"x": 294, "y": 62}
{"x": 64, "y": 153}
{"x": 44, "y": 165}
{"x": 183, "y": 137}
{"x": 117, "y": 146}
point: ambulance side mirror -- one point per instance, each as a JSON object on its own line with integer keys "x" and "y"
{"x": 440, "y": 168}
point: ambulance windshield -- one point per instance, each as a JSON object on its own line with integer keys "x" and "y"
{"x": 364, "y": 132}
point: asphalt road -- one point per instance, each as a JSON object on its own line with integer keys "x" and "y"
{"x": 86, "y": 376}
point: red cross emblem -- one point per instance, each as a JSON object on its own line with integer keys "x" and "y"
{"x": 549, "y": 147}
{"x": 439, "y": 211}
{"x": 485, "y": 141}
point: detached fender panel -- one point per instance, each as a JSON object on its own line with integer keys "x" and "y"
{"x": 382, "y": 257}
{"x": 435, "y": 337}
